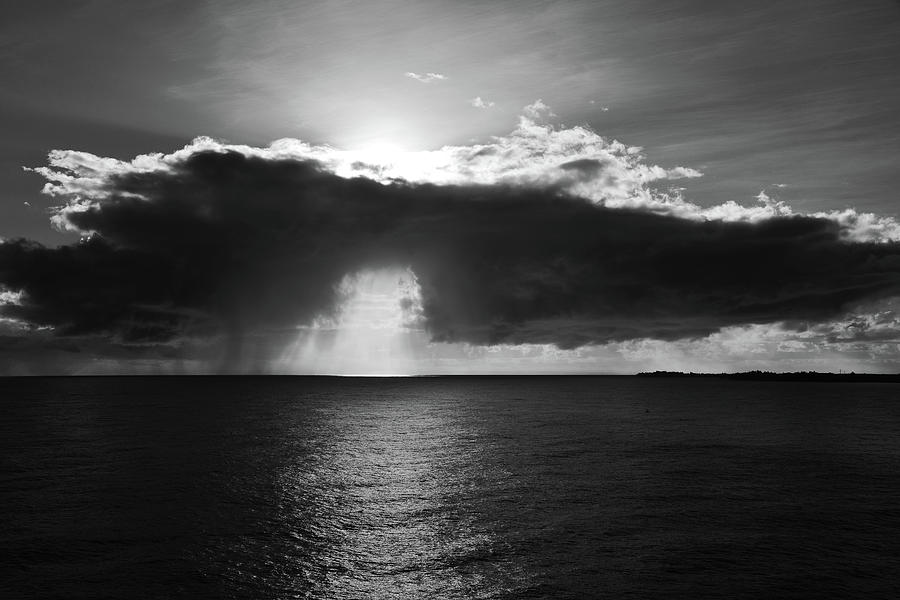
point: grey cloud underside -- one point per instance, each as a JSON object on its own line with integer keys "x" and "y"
{"x": 229, "y": 243}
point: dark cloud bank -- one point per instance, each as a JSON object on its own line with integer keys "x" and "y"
{"x": 225, "y": 243}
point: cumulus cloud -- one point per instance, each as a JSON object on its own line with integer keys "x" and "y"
{"x": 426, "y": 78}
{"x": 534, "y": 154}
{"x": 10, "y": 297}
{"x": 866, "y": 338}
{"x": 479, "y": 102}
{"x": 547, "y": 236}
{"x": 537, "y": 110}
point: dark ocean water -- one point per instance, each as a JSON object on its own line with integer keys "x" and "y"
{"x": 601, "y": 487}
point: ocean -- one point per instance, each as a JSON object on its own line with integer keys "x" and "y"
{"x": 448, "y": 487}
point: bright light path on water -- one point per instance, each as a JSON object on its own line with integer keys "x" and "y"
{"x": 373, "y": 334}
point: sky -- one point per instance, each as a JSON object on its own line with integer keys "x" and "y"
{"x": 395, "y": 187}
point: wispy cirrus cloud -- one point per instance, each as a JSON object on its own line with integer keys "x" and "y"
{"x": 427, "y": 77}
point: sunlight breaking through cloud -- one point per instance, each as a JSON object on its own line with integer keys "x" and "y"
{"x": 372, "y": 333}
{"x": 531, "y": 247}
{"x": 536, "y": 153}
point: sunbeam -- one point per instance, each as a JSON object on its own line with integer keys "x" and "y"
{"x": 373, "y": 333}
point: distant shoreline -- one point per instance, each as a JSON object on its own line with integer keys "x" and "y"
{"x": 813, "y": 376}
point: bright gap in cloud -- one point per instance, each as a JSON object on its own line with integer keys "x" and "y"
{"x": 373, "y": 333}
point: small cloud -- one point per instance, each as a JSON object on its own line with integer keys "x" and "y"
{"x": 426, "y": 78}
{"x": 603, "y": 108}
{"x": 478, "y": 102}
{"x": 683, "y": 173}
{"x": 538, "y": 110}
{"x": 26, "y": 203}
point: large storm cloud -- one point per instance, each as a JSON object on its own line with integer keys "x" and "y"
{"x": 222, "y": 240}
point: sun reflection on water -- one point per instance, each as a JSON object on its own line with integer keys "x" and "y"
{"x": 388, "y": 491}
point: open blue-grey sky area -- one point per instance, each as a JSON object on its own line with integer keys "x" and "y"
{"x": 796, "y": 97}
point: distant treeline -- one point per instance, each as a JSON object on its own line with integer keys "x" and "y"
{"x": 797, "y": 376}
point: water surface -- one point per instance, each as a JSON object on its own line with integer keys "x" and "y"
{"x": 550, "y": 487}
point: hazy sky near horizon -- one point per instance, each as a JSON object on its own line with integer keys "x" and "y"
{"x": 788, "y": 107}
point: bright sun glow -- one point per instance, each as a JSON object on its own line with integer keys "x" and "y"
{"x": 385, "y": 161}
{"x": 380, "y": 150}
